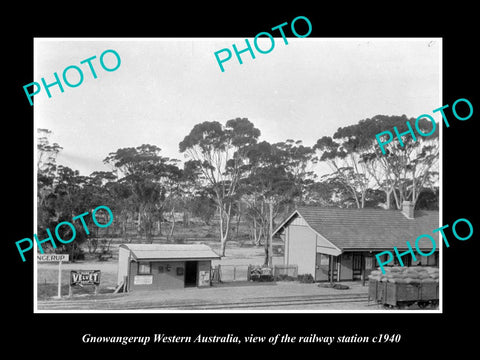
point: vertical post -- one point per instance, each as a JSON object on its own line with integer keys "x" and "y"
{"x": 270, "y": 246}
{"x": 60, "y": 279}
{"x": 363, "y": 268}
{"x": 234, "y": 272}
{"x": 339, "y": 261}
{"x": 331, "y": 269}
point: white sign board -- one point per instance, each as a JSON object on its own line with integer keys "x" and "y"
{"x": 52, "y": 257}
{"x": 143, "y": 279}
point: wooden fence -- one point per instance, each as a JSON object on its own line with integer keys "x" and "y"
{"x": 223, "y": 273}
{"x": 286, "y": 270}
{"x": 226, "y": 273}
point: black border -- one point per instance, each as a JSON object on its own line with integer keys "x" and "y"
{"x": 421, "y": 333}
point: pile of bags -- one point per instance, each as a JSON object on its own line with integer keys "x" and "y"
{"x": 406, "y": 275}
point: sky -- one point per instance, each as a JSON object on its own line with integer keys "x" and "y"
{"x": 163, "y": 87}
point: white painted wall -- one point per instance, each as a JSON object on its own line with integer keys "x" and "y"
{"x": 122, "y": 264}
{"x": 301, "y": 248}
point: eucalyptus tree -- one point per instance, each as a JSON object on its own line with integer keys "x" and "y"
{"x": 46, "y": 156}
{"x": 359, "y": 165}
{"x": 220, "y": 154}
{"x": 149, "y": 177}
{"x": 269, "y": 185}
{"x": 299, "y": 161}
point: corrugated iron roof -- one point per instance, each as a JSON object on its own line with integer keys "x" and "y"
{"x": 369, "y": 228}
{"x": 170, "y": 251}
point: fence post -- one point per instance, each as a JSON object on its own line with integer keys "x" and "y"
{"x": 234, "y": 272}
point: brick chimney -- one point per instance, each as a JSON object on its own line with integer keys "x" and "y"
{"x": 408, "y": 209}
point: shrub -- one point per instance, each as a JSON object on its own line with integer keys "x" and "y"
{"x": 334, "y": 286}
{"x": 306, "y": 278}
{"x": 284, "y": 277}
{"x": 261, "y": 273}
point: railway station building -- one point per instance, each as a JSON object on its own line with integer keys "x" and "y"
{"x": 164, "y": 266}
{"x": 342, "y": 243}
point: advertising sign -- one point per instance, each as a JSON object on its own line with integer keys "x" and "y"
{"x": 84, "y": 277}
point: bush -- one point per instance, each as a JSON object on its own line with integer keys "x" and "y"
{"x": 77, "y": 254}
{"x": 306, "y": 278}
{"x": 284, "y": 277}
{"x": 260, "y": 273}
{"x": 335, "y": 286}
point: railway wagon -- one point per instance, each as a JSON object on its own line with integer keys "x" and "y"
{"x": 402, "y": 294}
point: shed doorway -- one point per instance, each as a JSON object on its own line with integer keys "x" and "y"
{"x": 190, "y": 273}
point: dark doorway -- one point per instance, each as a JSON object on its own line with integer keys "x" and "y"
{"x": 190, "y": 273}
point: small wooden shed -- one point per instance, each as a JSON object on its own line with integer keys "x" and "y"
{"x": 164, "y": 266}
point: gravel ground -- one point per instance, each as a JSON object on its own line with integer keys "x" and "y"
{"x": 239, "y": 292}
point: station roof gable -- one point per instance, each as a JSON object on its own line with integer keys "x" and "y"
{"x": 368, "y": 228}
{"x": 170, "y": 252}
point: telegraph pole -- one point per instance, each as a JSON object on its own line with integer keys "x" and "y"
{"x": 270, "y": 240}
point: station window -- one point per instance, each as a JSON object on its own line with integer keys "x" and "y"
{"x": 144, "y": 268}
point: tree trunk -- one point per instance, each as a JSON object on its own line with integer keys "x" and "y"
{"x": 254, "y": 232}
{"x": 238, "y": 219}
{"x": 268, "y": 242}
{"x": 124, "y": 229}
{"x": 186, "y": 219}
{"x": 139, "y": 222}
{"x": 397, "y": 200}
{"x": 356, "y": 198}
{"x": 267, "y": 253}
{"x": 224, "y": 227}
{"x": 145, "y": 231}
{"x": 172, "y": 228}
{"x": 260, "y": 235}
{"x": 388, "y": 193}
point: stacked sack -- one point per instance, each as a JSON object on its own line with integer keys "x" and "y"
{"x": 406, "y": 275}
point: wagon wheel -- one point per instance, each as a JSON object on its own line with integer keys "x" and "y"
{"x": 402, "y": 305}
{"x": 423, "y": 304}
{"x": 388, "y": 306}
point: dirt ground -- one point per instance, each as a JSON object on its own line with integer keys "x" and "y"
{"x": 241, "y": 293}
